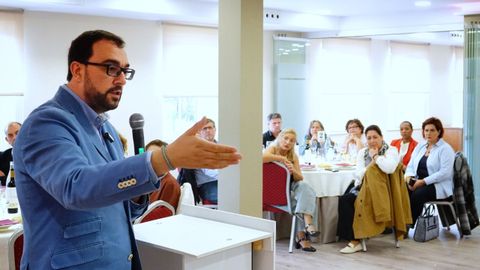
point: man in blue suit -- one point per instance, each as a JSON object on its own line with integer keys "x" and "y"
{"x": 77, "y": 193}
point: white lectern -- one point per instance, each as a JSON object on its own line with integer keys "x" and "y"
{"x": 201, "y": 238}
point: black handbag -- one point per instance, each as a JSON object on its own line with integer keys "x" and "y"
{"x": 426, "y": 227}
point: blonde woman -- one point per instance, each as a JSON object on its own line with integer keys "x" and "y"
{"x": 303, "y": 196}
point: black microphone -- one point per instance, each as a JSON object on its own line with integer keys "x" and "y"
{"x": 136, "y": 123}
{"x": 108, "y": 137}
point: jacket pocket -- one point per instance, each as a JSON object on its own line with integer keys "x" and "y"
{"x": 83, "y": 228}
{"x": 81, "y": 255}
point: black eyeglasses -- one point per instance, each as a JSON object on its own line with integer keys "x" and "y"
{"x": 114, "y": 70}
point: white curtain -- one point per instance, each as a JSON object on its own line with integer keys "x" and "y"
{"x": 11, "y": 53}
{"x": 190, "y": 64}
{"x": 382, "y": 82}
{"x": 12, "y": 77}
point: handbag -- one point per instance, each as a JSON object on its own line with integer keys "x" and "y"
{"x": 426, "y": 227}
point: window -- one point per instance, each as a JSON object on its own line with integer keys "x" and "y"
{"x": 191, "y": 77}
{"x": 12, "y": 77}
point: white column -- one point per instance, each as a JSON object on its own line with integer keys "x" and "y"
{"x": 240, "y": 103}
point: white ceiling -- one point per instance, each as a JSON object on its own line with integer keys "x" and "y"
{"x": 315, "y": 18}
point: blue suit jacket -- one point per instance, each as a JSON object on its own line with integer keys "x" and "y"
{"x": 74, "y": 194}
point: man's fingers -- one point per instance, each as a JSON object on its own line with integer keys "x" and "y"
{"x": 212, "y": 163}
{"x": 196, "y": 127}
{"x": 219, "y": 157}
{"x": 215, "y": 147}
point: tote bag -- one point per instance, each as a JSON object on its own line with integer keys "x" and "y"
{"x": 426, "y": 227}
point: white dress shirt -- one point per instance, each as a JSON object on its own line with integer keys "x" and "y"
{"x": 387, "y": 163}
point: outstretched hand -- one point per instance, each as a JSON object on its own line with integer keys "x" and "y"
{"x": 190, "y": 151}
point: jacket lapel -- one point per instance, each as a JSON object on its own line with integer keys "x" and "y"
{"x": 67, "y": 101}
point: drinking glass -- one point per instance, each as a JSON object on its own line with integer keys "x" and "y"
{"x": 313, "y": 147}
{"x": 3, "y": 201}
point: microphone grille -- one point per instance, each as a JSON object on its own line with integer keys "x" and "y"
{"x": 136, "y": 121}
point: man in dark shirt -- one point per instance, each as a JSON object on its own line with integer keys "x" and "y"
{"x": 274, "y": 128}
{"x": 10, "y": 135}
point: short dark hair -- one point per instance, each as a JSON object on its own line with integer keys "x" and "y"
{"x": 274, "y": 116}
{"x": 433, "y": 121}
{"x": 355, "y": 121}
{"x": 156, "y": 142}
{"x": 408, "y": 123}
{"x": 374, "y": 128}
{"x": 81, "y": 48}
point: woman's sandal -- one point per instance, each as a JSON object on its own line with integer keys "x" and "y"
{"x": 298, "y": 245}
{"x": 312, "y": 233}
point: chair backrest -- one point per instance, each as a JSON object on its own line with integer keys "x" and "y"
{"x": 15, "y": 249}
{"x": 463, "y": 194}
{"x": 186, "y": 196}
{"x": 157, "y": 209}
{"x": 276, "y": 186}
{"x": 188, "y": 176}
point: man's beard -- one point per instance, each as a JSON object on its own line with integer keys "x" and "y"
{"x": 99, "y": 101}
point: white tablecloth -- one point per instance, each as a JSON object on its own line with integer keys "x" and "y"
{"x": 327, "y": 183}
{"x": 4, "y": 237}
{"x": 5, "y": 234}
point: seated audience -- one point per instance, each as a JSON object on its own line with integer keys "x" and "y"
{"x": 204, "y": 182}
{"x": 274, "y": 128}
{"x": 303, "y": 196}
{"x": 406, "y": 144}
{"x": 169, "y": 190}
{"x": 311, "y": 138}
{"x": 430, "y": 170}
{"x": 11, "y": 132}
{"x": 355, "y": 139}
{"x": 377, "y": 153}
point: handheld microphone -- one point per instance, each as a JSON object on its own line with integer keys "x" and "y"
{"x": 136, "y": 123}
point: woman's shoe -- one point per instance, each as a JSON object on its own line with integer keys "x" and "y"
{"x": 298, "y": 245}
{"x": 310, "y": 230}
{"x": 351, "y": 248}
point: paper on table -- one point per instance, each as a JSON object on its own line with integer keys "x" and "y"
{"x": 7, "y": 222}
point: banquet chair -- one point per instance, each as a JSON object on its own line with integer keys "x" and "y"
{"x": 276, "y": 193}
{"x": 398, "y": 196}
{"x": 157, "y": 209}
{"x": 15, "y": 250}
{"x": 450, "y": 204}
{"x": 188, "y": 176}
{"x": 208, "y": 204}
{"x": 186, "y": 196}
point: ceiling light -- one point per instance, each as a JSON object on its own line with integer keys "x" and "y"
{"x": 423, "y": 3}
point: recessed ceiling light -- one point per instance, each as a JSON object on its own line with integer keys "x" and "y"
{"x": 423, "y": 3}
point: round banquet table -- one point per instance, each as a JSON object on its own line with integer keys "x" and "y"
{"x": 328, "y": 186}
{"x": 4, "y": 237}
{"x": 328, "y": 183}
{"x": 5, "y": 233}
